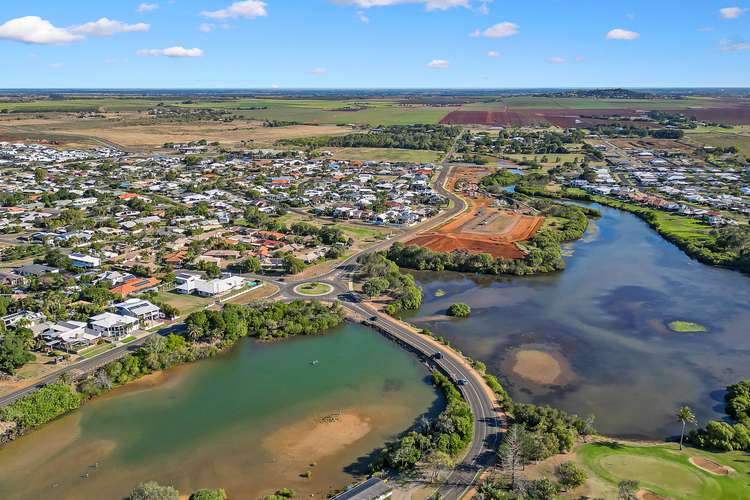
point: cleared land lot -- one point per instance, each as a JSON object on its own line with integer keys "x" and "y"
{"x": 481, "y": 228}
{"x": 154, "y": 135}
{"x": 384, "y": 154}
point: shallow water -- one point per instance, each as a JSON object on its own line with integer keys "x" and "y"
{"x": 605, "y": 318}
{"x": 249, "y": 421}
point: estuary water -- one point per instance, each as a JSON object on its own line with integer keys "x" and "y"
{"x": 595, "y": 339}
{"x": 251, "y": 421}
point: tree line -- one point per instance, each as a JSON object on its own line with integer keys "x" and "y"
{"x": 437, "y": 442}
{"x": 726, "y": 436}
{"x": 383, "y": 276}
{"x": 431, "y": 137}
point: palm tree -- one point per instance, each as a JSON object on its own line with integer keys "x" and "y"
{"x": 686, "y": 416}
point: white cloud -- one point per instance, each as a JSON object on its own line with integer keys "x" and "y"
{"x": 730, "y": 46}
{"x": 430, "y": 5}
{"x": 621, "y": 34}
{"x": 34, "y": 29}
{"x": 171, "y": 52}
{"x": 248, "y": 9}
{"x": 438, "y": 64}
{"x": 502, "y": 30}
{"x": 556, "y": 60}
{"x": 147, "y": 7}
{"x": 108, "y": 27}
{"x": 493, "y": 53}
{"x": 206, "y": 27}
{"x": 706, "y": 29}
{"x": 731, "y": 12}
{"x": 275, "y": 86}
{"x": 57, "y": 66}
{"x": 475, "y": 34}
{"x": 580, "y": 58}
{"x": 318, "y": 71}
{"x": 362, "y": 17}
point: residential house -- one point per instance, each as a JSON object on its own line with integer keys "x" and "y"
{"x": 143, "y": 310}
{"x": 112, "y": 326}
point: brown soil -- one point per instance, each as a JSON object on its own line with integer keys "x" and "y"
{"x": 481, "y": 228}
{"x": 539, "y": 367}
{"x": 710, "y": 466}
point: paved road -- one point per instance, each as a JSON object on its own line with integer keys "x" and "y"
{"x": 487, "y": 426}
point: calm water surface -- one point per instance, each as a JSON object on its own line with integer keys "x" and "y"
{"x": 249, "y": 421}
{"x": 604, "y": 321}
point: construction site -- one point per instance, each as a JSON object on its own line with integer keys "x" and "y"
{"x": 485, "y": 226}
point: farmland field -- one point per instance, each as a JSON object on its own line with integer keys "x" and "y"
{"x": 722, "y": 138}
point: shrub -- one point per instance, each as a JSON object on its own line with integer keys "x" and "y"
{"x": 571, "y": 476}
{"x": 459, "y": 310}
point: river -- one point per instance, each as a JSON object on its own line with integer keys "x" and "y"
{"x": 594, "y": 339}
{"x": 250, "y": 421}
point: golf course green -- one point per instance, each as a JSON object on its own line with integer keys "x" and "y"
{"x": 667, "y": 471}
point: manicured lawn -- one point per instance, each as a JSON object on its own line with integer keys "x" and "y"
{"x": 666, "y": 471}
{"x": 184, "y": 303}
{"x": 95, "y": 351}
{"x": 129, "y": 339}
{"x": 314, "y": 289}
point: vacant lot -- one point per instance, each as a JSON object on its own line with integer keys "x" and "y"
{"x": 385, "y": 154}
{"x": 723, "y": 138}
{"x": 131, "y": 132}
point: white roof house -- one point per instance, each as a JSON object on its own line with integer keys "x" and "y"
{"x": 112, "y": 325}
{"x": 210, "y": 288}
{"x": 83, "y": 260}
{"x": 141, "y": 309}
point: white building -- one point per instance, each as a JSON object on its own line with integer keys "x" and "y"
{"x": 112, "y": 325}
{"x": 143, "y": 310}
{"x": 83, "y": 260}
{"x": 209, "y": 288}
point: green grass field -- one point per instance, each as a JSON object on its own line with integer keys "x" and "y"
{"x": 80, "y": 105}
{"x": 666, "y": 471}
{"x": 721, "y": 138}
{"x": 687, "y": 327}
{"x": 374, "y": 112}
{"x": 385, "y": 154}
{"x": 184, "y": 303}
{"x": 314, "y": 289}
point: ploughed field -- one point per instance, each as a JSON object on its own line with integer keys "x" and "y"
{"x": 581, "y": 113}
{"x": 482, "y": 228}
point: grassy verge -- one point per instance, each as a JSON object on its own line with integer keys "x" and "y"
{"x": 95, "y": 351}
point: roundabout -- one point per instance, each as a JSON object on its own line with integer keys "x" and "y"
{"x": 314, "y": 289}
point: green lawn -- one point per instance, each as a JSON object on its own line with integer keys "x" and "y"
{"x": 722, "y": 138}
{"x": 184, "y": 303}
{"x": 95, "y": 351}
{"x": 81, "y": 104}
{"x": 385, "y": 154}
{"x": 687, "y": 327}
{"x": 129, "y": 339}
{"x": 666, "y": 471}
{"x": 314, "y": 289}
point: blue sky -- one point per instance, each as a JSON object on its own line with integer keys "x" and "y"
{"x": 374, "y": 43}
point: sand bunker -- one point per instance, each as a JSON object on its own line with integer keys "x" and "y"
{"x": 540, "y": 367}
{"x": 710, "y": 466}
{"x": 649, "y": 495}
{"x": 309, "y": 441}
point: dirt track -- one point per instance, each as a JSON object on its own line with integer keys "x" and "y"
{"x": 481, "y": 228}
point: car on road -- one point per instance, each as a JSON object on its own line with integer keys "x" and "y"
{"x": 437, "y": 355}
{"x": 373, "y": 318}
{"x": 462, "y": 381}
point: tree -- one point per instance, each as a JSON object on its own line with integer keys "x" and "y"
{"x": 293, "y": 265}
{"x": 439, "y": 460}
{"x": 375, "y": 286}
{"x": 686, "y": 416}
{"x": 152, "y": 490}
{"x": 628, "y": 490}
{"x": 459, "y": 310}
{"x": 571, "y": 476}
{"x": 13, "y": 353}
{"x": 210, "y": 495}
{"x": 249, "y": 265}
{"x": 511, "y": 451}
